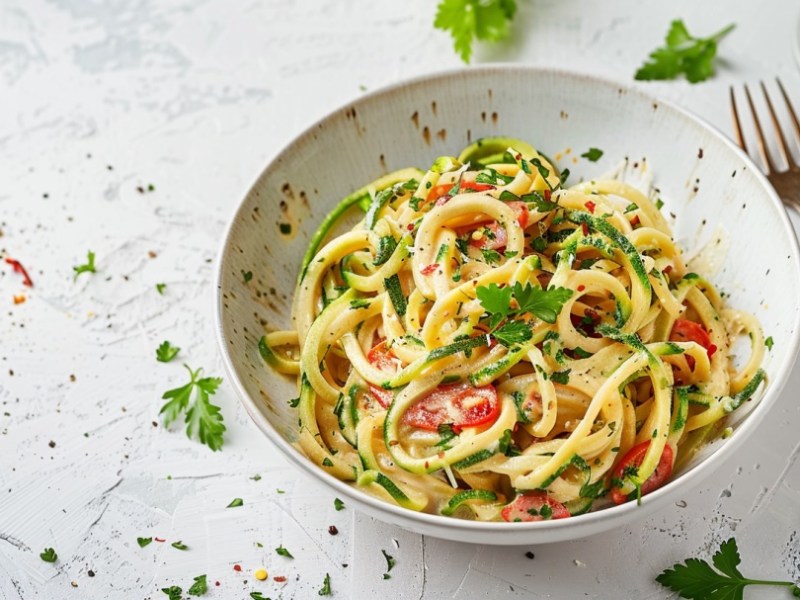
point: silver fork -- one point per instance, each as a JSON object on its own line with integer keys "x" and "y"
{"x": 785, "y": 182}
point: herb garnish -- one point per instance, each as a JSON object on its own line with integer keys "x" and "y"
{"x": 683, "y": 53}
{"x": 592, "y": 154}
{"x": 696, "y": 580}
{"x": 174, "y": 592}
{"x": 467, "y": 20}
{"x": 143, "y": 541}
{"x": 179, "y": 545}
{"x": 166, "y": 352}
{"x": 246, "y": 276}
{"x": 49, "y": 555}
{"x": 199, "y": 587}
{"x": 203, "y": 419}
{"x": 160, "y": 288}
{"x": 258, "y": 596}
{"x": 338, "y": 504}
{"x": 283, "y": 551}
{"x": 326, "y": 586}
{"x": 769, "y": 343}
{"x": 390, "y": 563}
{"x": 236, "y": 502}
{"x": 86, "y": 268}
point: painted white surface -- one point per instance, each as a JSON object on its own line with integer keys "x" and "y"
{"x": 195, "y": 97}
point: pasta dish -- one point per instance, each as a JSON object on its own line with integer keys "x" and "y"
{"x": 491, "y": 344}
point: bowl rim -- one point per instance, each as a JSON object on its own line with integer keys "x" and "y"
{"x": 688, "y": 479}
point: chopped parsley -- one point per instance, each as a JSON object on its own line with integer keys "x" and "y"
{"x": 592, "y": 154}
{"x": 283, "y": 551}
{"x": 88, "y": 267}
{"x": 769, "y": 343}
{"x": 174, "y": 592}
{"x": 237, "y": 501}
{"x": 179, "y": 545}
{"x": 338, "y": 504}
{"x": 326, "y": 586}
{"x": 247, "y": 276}
{"x": 49, "y": 555}
{"x": 390, "y": 563}
{"x": 143, "y": 541}
{"x": 490, "y": 256}
{"x": 160, "y": 288}
{"x": 166, "y": 352}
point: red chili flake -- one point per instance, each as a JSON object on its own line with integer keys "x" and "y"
{"x": 216, "y": 583}
{"x": 581, "y": 287}
{"x": 547, "y": 195}
{"x": 590, "y": 206}
{"x": 279, "y": 579}
{"x": 410, "y": 227}
{"x": 429, "y": 269}
{"x": 667, "y": 269}
{"x": 518, "y": 156}
{"x": 18, "y": 268}
{"x": 635, "y": 221}
{"x": 585, "y": 228}
{"x": 711, "y": 350}
{"x": 159, "y": 540}
{"x": 237, "y": 567}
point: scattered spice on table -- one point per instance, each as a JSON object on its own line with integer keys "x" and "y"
{"x": 18, "y": 268}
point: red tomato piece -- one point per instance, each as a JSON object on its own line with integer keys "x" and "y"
{"x": 528, "y": 507}
{"x": 428, "y": 269}
{"x": 685, "y": 330}
{"x": 382, "y": 358}
{"x": 497, "y": 239}
{"x": 459, "y": 404}
{"x": 634, "y": 458}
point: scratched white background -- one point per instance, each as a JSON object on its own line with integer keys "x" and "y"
{"x": 100, "y": 97}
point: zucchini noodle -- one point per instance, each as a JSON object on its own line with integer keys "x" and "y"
{"x": 486, "y": 343}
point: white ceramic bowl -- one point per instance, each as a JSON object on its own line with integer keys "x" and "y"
{"x": 704, "y": 179}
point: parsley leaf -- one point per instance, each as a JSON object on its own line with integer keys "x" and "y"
{"x": 283, "y": 551}
{"x": 769, "y": 343}
{"x": 467, "y": 20}
{"x": 545, "y": 304}
{"x": 513, "y": 332}
{"x": 203, "y": 419}
{"x": 258, "y": 596}
{"x": 166, "y": 352}
{"x": 697, "y": 580}
{"x": 49, "y": 555}
{"x": 490, "y": 256}
{"x": 338, "y": 504}
{"x": 390, "y": 563}
{"x": 179, "y": 545}
{"x": 199, "y": 587}
{"x": 496, "y": 301}
{"x": 592, "y": 154}
{"x": 539, "y": 201}
{"x": 88, "y": 267}
{"x": 236, "y": 501}
{"x": 174, "y": 592}
{"x": 326, "y": 586}
{"x": 682, "y": 53}
{"x": 143, "y": 541}
{"x": 160, "y": 288}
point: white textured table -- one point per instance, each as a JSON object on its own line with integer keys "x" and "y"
{"x": 101, "y": 99}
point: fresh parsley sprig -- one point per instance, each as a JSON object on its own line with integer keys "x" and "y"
{"x": 203, "y": 419}
{"x": 468, "y": 20}
{"x": 695, "y": 579}
{"x": 683, "y": 53}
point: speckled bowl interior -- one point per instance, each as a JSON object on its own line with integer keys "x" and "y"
{"x": 711, "y": 188}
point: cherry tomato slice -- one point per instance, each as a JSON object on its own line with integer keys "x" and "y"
{"x": 381, "y": 357}
{"x": 459, "y": 404}
{"x": 685, "y": 330}
{"x": 528, "y": 507}
{"x": 498, "y": 238}
{"x": 634, "y": 458}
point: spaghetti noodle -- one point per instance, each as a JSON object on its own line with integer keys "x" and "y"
{"x": 490, "y": 344}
